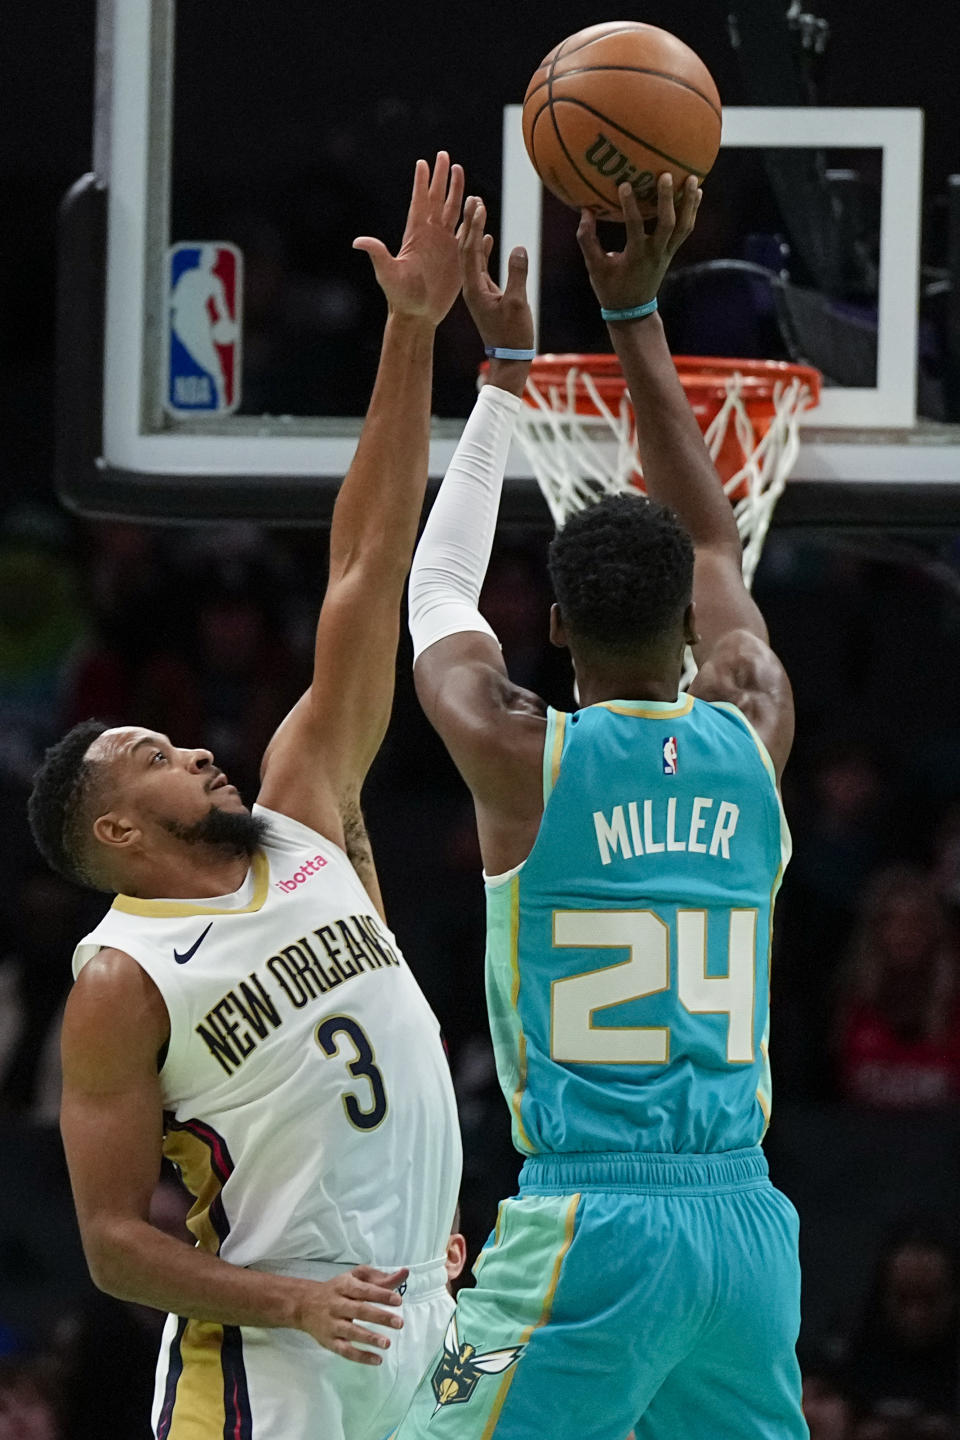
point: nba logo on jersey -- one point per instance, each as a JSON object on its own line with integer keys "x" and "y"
{"x": 204, "y": 298}
{"x": 670, "y": 755}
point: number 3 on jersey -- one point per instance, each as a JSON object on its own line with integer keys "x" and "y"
{"x": 361, "y": 1065}
{"x": 575, "y": 1039}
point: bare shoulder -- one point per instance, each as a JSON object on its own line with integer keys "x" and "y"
{"x": 115, "y": 1016}
{"x": 744, "y": 671}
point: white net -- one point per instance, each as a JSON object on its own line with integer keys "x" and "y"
{"x": 578, "y": 458}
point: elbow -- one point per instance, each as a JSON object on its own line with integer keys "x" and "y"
{"x": 104, "y": 1272}
{"x": 746, "y": 655}
{"x": 106, "y": 1250}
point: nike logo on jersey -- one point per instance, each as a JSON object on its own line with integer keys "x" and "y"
{"x": 189, "y": 954}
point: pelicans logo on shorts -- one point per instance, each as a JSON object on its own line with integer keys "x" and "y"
{"x": 203, "y": 323}
{"x": 461, "y": 1368}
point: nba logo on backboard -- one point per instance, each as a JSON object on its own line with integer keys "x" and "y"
{"x": 204, "y": 298}
{"x": 670, "y": 755}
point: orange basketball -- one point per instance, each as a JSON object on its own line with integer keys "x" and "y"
{"x": 615, "y": 102}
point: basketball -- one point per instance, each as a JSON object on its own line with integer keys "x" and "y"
{"x": 615, "y": 102}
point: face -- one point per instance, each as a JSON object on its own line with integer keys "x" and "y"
{"x": 919, "y": 1295}
{"x": 156, "y": 786}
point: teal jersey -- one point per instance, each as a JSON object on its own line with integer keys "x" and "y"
{"x": 628, "y": 958}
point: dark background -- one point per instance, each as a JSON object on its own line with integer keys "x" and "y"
{"x": 296, "y": 129}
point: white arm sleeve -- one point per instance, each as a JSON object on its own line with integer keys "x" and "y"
{"x": 454, "y": 549}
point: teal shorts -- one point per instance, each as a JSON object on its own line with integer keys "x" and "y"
{"x": 654, "y": 1293}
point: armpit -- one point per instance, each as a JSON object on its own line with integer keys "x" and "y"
{"x": 517, "y": 701}
{"x": 356, "y": 843}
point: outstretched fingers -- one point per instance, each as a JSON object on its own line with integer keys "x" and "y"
{"x": 420, "y": 195}
{"x": 632, "y": 216}
{"x": 690, "y": 197}
{"x": 516, "y": 286}
{"x": 474, "y": 251}
{"x": 438, "y": 181}
{"x": 666, "y": 212}
{"x": 450, "y": 213}
{"x": 378, "y": 252}
{"x": 587, "y": 237}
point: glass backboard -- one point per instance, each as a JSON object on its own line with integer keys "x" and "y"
{"x": 236, "y": 144}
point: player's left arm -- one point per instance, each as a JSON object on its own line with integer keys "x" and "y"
{"x": 316, "y": 763}
{"x": 732, "y": 646}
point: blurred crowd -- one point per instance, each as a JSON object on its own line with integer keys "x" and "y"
{"x": 206, "y": 634}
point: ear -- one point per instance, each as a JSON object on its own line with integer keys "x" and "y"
{"x": 558, "y": 636}
{"x": 690, "y": 634}
{"x": 114, "y": 831}
{"x": 456, "y": 1255}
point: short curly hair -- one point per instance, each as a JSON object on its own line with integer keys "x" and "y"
{"x": 622, "y": 573}
{"x": 59, "y": 803}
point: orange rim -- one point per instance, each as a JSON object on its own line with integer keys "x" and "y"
{"x": 705, "y": 378}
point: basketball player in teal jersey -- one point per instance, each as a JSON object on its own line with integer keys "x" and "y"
{"x": 646, "y": 1275}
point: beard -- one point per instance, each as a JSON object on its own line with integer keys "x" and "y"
{"x": 229, "y": 832}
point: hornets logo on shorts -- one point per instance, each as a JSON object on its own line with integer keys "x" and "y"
{"x": 460, "y": 1368}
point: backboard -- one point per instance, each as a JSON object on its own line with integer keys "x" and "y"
{"x": 196, "y": 163}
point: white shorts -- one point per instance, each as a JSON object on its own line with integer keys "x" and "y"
{"x": 217, "y": 1381}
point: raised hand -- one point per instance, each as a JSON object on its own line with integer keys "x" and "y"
{"x": 503, "y": 317}
{"x": 622, "y": 279}
{"x": 423, "y": 278}
{"x": 333, "y": 1311}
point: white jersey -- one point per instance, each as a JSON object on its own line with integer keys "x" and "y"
{"x": 307, "y": 1096}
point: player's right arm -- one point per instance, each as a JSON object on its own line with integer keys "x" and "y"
{"x": 733, "y": 653}
{"x": 114, "y": 1028}
{"x": 493, "y": 729}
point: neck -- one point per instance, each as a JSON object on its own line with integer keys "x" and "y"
{"x": 639, "y": 681}
{"x": 201, "y": 874}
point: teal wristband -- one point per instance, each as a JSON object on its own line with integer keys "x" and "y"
{"x": 637, "y": 313}
{"x": 503, "y": 352}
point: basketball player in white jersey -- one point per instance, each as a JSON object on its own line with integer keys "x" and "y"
{"x": 243, "y": 1008}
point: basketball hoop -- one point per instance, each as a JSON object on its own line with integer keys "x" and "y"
{"x": 578, "y": 431}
